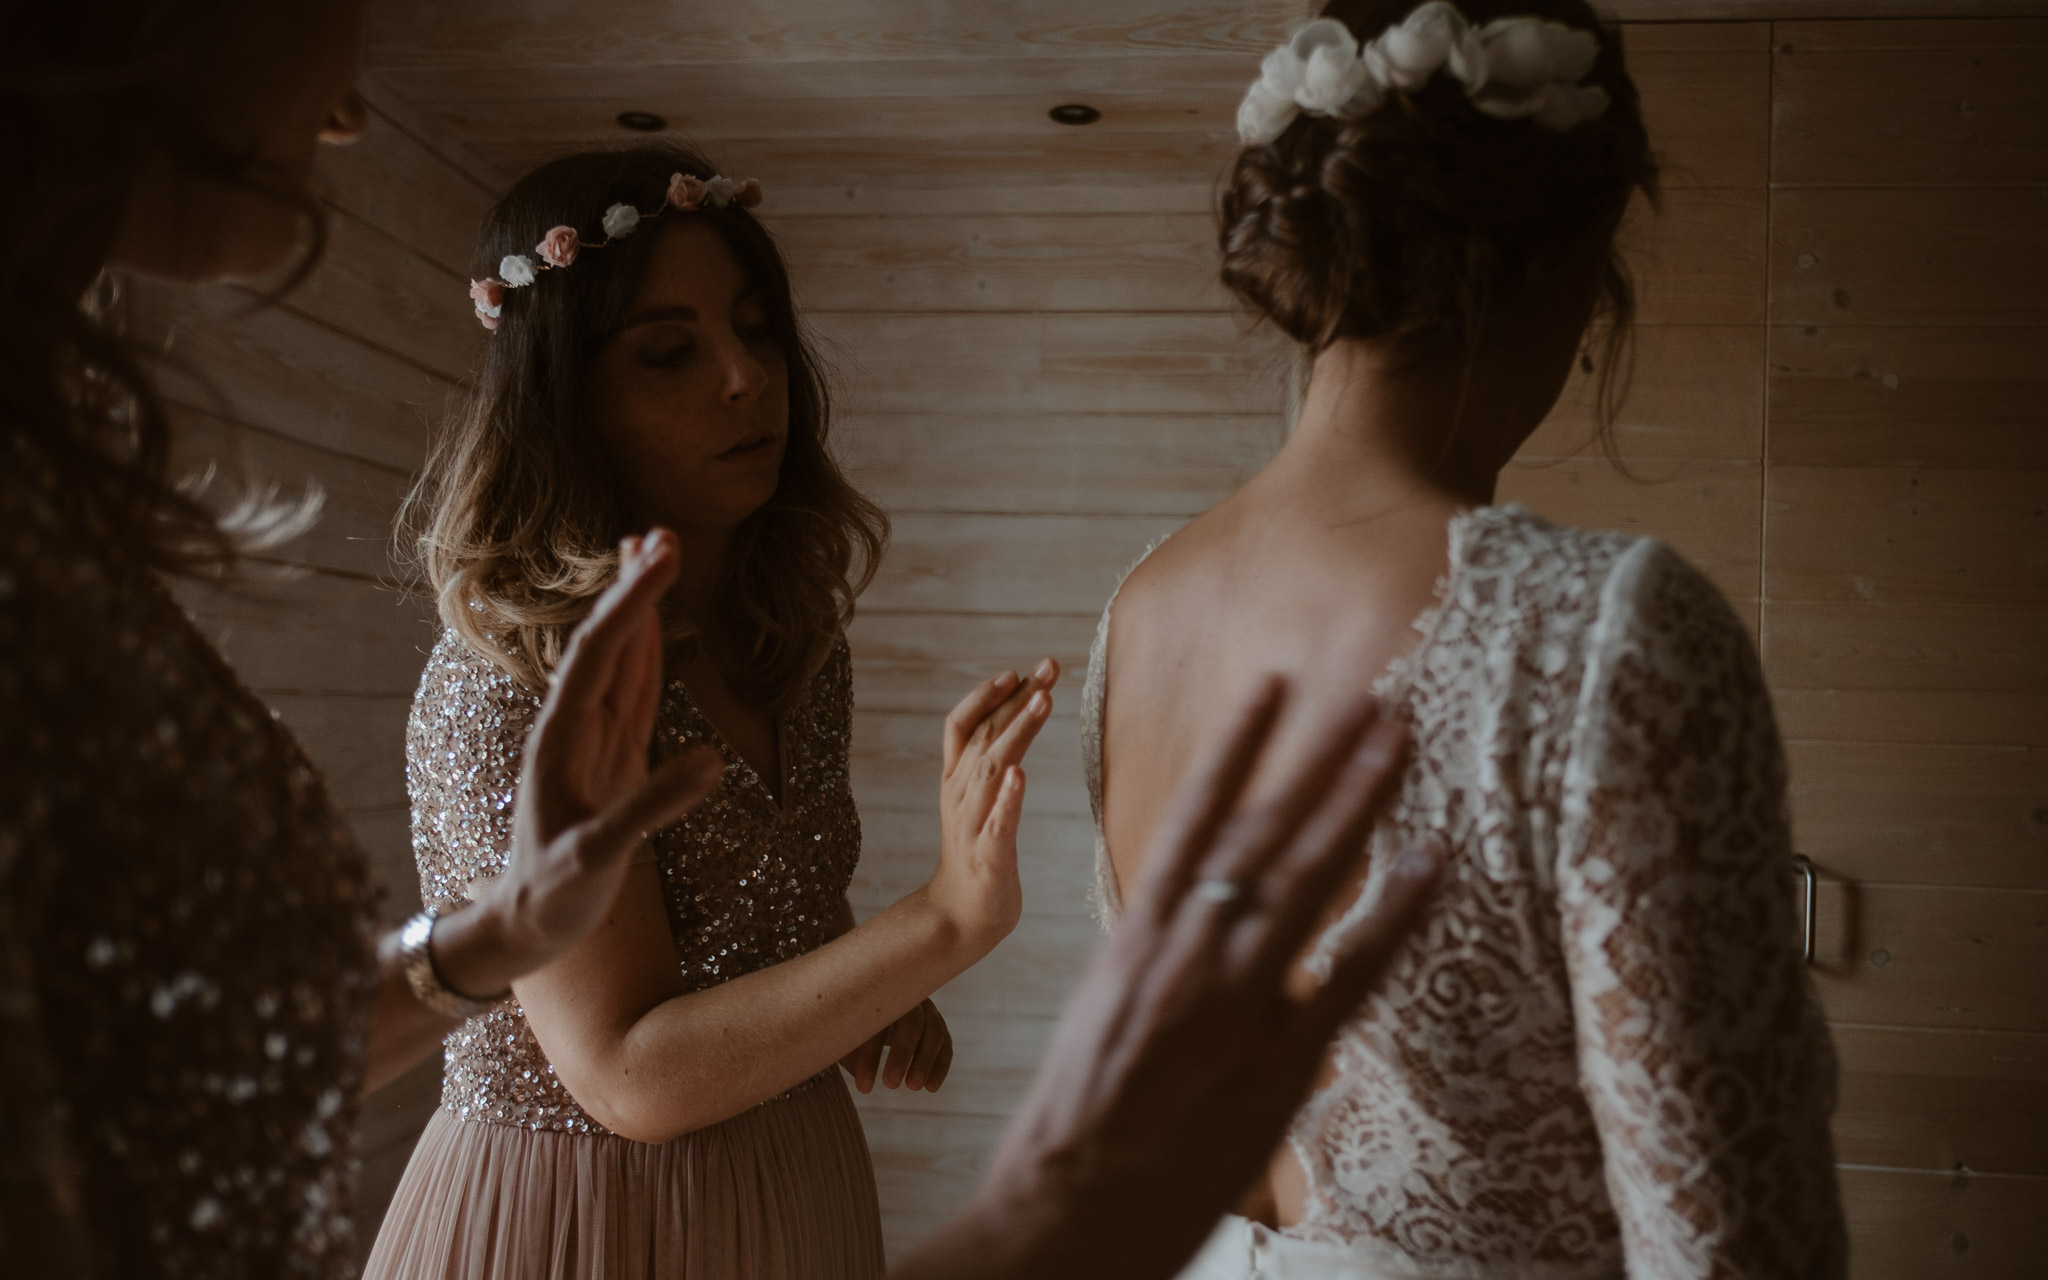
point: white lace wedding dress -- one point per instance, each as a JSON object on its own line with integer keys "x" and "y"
{"x": 1599, "y": 1056}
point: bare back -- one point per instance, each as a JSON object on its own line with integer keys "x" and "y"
{"x": 1271, "y": 580}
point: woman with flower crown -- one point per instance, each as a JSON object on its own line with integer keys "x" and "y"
{"x": 1598, "y": 1055}
{"x": 666, "y": 1098}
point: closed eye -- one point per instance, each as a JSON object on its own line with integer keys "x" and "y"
{"x": 666, "y": 357}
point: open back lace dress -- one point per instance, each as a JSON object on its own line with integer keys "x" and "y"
{"x": 512, "y": 1180}
{"x": 1599, "y": 1056}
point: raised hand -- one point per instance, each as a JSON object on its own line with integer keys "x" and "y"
{"x": 981, "y": 796}
{"x": 586, "y": 799}
{"x": 920, "y": 1053}
{"x": 1181, "y": 1056}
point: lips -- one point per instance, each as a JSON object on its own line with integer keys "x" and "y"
{"x": 752, "y": 444}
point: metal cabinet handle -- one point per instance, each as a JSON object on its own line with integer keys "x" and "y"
{"x": 1803, "y": 867}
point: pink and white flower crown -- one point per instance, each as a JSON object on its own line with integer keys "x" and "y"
{"x": 559, "y": 247}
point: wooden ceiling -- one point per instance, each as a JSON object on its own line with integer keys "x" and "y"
{"x": 844, "y": 101}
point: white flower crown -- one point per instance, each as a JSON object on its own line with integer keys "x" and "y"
{"x": 1512, "y": 68}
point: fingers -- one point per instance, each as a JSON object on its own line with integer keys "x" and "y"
{"x": 672, "y": 791}
{"x": 979, "y": 718}
{"x": 632, "y": 703}
{"x": 971, "y": 711}
{"x": 1009, "y": 748}
{"x": 942, "y": 1068}
{"x": 865, "y": 1061}
{"x": 1369, "y": 944}
{"x": 1042, "y": 678}
{"x": 1007, "y": 811}
{"x": 931, "y": 1041}
{"x": 1207, "y": 799}
{"x": 902, "y": 1039}
{"x": 589, "y": 662}
{"x": 1326, "y": 848}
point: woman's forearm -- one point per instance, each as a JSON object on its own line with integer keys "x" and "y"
{"x": 472, "y": 955}
{"x": 693, "y": 1060}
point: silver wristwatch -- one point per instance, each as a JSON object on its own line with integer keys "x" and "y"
{"x": 416, "y": 956}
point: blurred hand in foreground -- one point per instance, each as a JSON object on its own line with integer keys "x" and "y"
{"x": 1181, "y": 1056}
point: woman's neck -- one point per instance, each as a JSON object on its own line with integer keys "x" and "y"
{"x": 1375, "y": 432}
{"x": 702, "y": 561}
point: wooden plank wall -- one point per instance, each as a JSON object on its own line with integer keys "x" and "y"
{"x": 1043, "y": 379}
{"x": 334, "y": 385}
{"x": 1838, "y": 413}
{"x": 1905, "y": 557}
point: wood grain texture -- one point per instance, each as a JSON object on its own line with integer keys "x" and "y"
{"x": 1911, "y": 116}
{"x": 927, "y": 1164}
{"x": 895, "y": 760}
{"x": 1905, "y": 673}
{"x": 923, "y": 663}
{"x": 899, "y": 851}
{"x": 1009, "y": 363}
{"x": 1909, "y": 256}
{"x": 1974, "y": 538}
{"x": 1041, "y": 564}
{"x": 357, "y": 499}
{"x": 1706, "y": 511}
{"x": 1704, "y": 89}
{"x": 391, "y": 180}
{"x": 1910, "y": 397}
{"x": 988, "y": 1083}
{"x": 1695, "y": 394}
{"x": 275, "y": 368}
{"x": 1909, "y": 1225}
{"x": 1698, "y": 260}
{"x": 1924, "y": 26}
{"x": 298, "y": 631}
{"x": 1942, "y": 1099}
{"x": 1075, "y": 464}
{"x": 358, "y": 740}
{"x": 444, "y": 34}
{"x": 1073, "y": 262}
{"x": 1923, "y": 814}
{"x": 380, "y": 291}
{"x": 1932, "y": 956}
{"x": 385, "y": 836}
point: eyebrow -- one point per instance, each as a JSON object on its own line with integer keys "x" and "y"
{"x": 688, "y": 315}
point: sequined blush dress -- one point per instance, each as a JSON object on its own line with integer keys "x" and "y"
{"x": 1599, "y": 1056}
{"x": 512, "y": 1180}
{"x": 185, "y": 933}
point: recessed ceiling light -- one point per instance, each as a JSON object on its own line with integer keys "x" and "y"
{"x": 642, "y": 121}
{"x": 1075, "y": 113}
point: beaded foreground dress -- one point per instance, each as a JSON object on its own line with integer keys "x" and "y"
{"x": 1599, "y": 1055}
{"x": 185, "y": 934}
{"x": 512, "y": 1180}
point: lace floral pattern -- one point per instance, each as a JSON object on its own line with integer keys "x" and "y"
{"x": 1600, "y": 1055}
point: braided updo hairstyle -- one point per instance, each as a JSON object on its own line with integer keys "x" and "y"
{"x": 1417, "y": 221}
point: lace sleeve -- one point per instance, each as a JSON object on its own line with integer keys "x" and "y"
{"x": 1701, "y": 1051}
{"x": 462, "y": 752}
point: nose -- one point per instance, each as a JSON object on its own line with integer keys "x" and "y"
{"x": 346, "y": 122}
{"x": 745, "y": 375}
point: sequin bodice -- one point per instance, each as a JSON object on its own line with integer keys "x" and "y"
{"x": 185, "y": 931}
{"x": 750, "y": 878}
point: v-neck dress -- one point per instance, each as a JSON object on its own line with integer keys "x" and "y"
{"x": 512, "y": 1179}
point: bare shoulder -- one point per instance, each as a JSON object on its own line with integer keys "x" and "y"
{"x": 1175, "y": 584}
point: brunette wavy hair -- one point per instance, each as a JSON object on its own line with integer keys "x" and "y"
{"x": 1420, "y": 221}
{"x": 90, "y": 90}
{"x": 517, "y": 517}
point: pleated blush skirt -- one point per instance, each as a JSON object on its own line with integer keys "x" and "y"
{"x": 785, "y": 1191}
